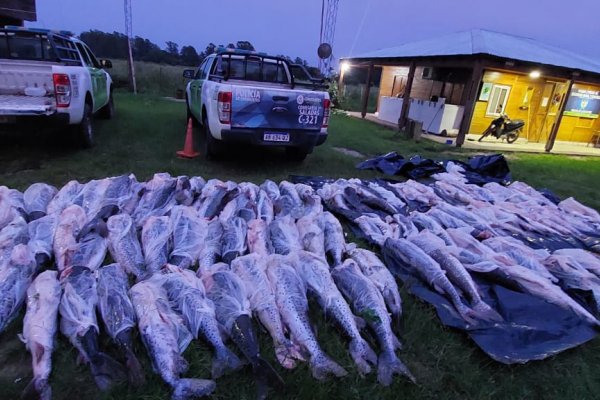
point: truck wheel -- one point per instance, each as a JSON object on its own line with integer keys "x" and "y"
{"x": 209, "y": 148}
{"x": 84, "y": 131}
{"x": 297, "y": 154}
{"x": 108, "y": 111}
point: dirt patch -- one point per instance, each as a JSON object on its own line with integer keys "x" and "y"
{"x": 349, "y": 152}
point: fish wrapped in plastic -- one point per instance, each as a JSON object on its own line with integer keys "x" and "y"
{"x": 234, "y": 313}
{"x": 257, "y": 237}
{"x": 7, "y": 213}
{"x": 290, "y": 295}
{"x": 78, "y": 323}
{"x": 36, "y": 199}
{"x": 215, "y": 196}
{"x": 91, "y": 196}
{"x": 284, "y": 236}
{"x": 15, "y": 278}
{"x": 156, "y": 243}
{"x": 271, "y": 189}
{"x": 188, "y": 235}
{"x": 14, "y": 199}
{"x": 70, "y": 222}
{"x": 187, "y": 296}
{"x": 234, "y": 239}
{"x": 91, "y": 245}
{"x": 317, "y": 278}
{"x": 118, "y": 315}
{"x": 39, "y": 329}
{"x": 335, "y": 243}
{"x": 158, "y": 197}
{"x": 312, "y": 237}
{"x": 264, "y": 207}
{"x": 165, "y": 337}
{"x": 124, "y": 245}
{"x": 297, "y": 205}
{"x": 64, "y": 198}
{"x": 41, "y": 237}
{"x": 123, "y": 193}
{"x": 374, "y": 269}
{"x": 366, "y": 300}
{"x": 183, "y": 191}
{"x": 210, "y": 252}
{"x": 14, "y": 233}
{"x": 251, "y": 270}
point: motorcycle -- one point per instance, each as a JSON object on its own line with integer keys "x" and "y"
{"x": 504, "y": 128}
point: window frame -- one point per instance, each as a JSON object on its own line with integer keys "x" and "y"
{"x": 491, "y": 107}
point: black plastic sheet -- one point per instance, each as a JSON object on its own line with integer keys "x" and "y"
{"x": 478, "y": 169}
{"x": 533, "y": 329}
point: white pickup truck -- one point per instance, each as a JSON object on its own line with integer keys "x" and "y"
{"x": 50, "y": 78}
{"x": 248, "y": 97}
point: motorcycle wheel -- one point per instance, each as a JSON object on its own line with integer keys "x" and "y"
{"x": 512, "y": 137}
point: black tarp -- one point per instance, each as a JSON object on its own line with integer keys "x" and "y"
{"x": 478, "y": 169}
{"x": 533, "y": 329}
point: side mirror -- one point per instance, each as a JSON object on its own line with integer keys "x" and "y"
{"x": 189, "y": 73}
{"x": 106, "y": 64}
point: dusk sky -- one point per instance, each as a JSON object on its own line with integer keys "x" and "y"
{"x": 292, "y": 27}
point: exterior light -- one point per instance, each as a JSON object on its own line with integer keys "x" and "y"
{"x": 345, "y": 66}
{"x": 535, "y": 74}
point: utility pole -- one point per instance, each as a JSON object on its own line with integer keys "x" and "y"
{"x": 329, "y": 9}
{"x": 129, "y": 34}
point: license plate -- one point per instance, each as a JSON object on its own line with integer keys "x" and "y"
{"x": 276, "y": 137}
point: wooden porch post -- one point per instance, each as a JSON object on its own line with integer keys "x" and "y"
{"x": 470, "y": 98}
{"x": 556, "y": 126}
{"x": 406, "y": 96}
{"x": 365, "y": 99}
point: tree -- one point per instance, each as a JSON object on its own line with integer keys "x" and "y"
{"x": 172, "y": 48}
{"x": 189, "y": 56}
{"x": 244, "y": 45}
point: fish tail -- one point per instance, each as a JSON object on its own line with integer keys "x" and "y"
{"x": 363, "y": 355}
{"x": 37, "y": 389}
{"x": 322, "y": 366}
{"x": 192, "y": 388}
{"x": 288, "y": 353}
{"x": 134, "y": 369}
{"x": 265, "y": 374}
{"x": 106, "y": 371}
{"x": 486, "y": 313}
{"x": 389, "y": 365}
{"x": 224, "y": 361}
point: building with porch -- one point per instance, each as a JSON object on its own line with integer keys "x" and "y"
{"x": 456, "y": 85}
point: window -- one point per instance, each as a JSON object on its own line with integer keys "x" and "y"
{"x": 498, "y": 100}
{"x": 273, "y": 72}
{"x": 84, "y": 55}
{"x": 200, "y": 71}
{"x": 93, "y": 59}
{"x": 25, "y": 46}
{"x": 259, "y": 69}
{"x": 206, "y": 69}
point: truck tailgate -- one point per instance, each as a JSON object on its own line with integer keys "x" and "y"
{"x": 13, "y": 104}
{"x": 281, "y": 109}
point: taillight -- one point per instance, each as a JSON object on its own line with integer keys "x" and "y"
{"x": 62, "y": 89}
{"x": 326, "y": 106}
{"x": 224, "y": 107}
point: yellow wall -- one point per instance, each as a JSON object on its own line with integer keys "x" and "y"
{"x": 520, "y": 85}
{"x": 577, "y": 129}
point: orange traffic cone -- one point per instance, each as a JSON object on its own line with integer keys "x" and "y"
{"x": 188, "y": 148}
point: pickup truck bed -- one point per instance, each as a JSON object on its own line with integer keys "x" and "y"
{"x": 14, "y": 104}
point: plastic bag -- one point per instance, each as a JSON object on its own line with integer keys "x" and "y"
{"x": 78, "y": 304}
{"x": 228, "y": 294}
{"x": 41, "y": 235}
{"x": 114, "y": 303}
{"x": 156, "y": 242}
{"x": 189, "y": 232}
{"x": 37, "y": 197}
{"x": 124, "y": 245}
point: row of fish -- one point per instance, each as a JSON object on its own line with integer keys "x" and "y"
{"x": 260, "y": 253}
{"x": 450, "y": 231}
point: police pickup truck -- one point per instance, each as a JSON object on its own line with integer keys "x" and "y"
{"x": 50, "y": 78}
{"x": 251, "y": 98}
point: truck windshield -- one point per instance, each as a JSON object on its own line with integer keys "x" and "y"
{"x": 25, "y": 46}
{"x": 251, "y": 69}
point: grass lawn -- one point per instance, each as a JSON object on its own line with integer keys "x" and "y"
{"x": 143, "y": 140}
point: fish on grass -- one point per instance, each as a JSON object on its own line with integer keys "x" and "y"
{"x": 368, "y": 302}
